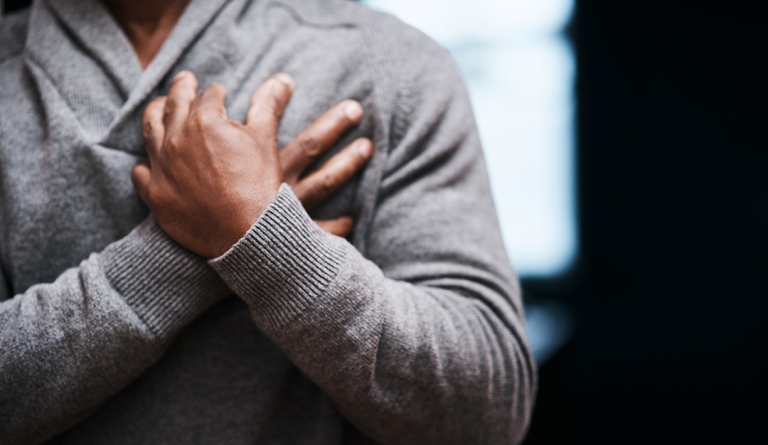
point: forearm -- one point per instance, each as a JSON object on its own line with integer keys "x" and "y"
{"x": 65, "y": 347}
{"x": 438, "y": 361}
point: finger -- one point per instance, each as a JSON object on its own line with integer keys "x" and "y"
{"x": 319, "y": 185}
{"x": 211, "y": 101}
{"x": 340, "y": 226}
{"x": 140, "y": 178}
{"x": 268, "y": 104}
{"x": 152, "y": 127}
{"x": 180, "y": 97}
{"x": 318, "y": 138}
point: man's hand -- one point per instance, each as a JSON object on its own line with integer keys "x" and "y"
{"x": 315, "y": 140}
{"x": 208, "y": 179}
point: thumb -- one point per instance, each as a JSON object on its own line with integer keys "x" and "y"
{"x": 140, "y": 178}
{"x": 268, "y": 104}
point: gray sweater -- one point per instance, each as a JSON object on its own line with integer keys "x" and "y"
{"x": 110, "y": 332}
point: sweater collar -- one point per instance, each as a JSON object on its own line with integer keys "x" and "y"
{"x": 92, "y": 27}
{"x": 90, "y": 24}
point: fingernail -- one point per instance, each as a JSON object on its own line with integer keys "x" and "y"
{"x": 365, "y": 148}
{"x": 286, "y": 80}
{"x": 353, "y": 110}
{"x": 180, "y": 75}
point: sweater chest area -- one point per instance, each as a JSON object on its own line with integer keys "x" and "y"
{"x": 64, "y": 196}
{"x": 70, "y": 134}
{"x": 59, "y": 206}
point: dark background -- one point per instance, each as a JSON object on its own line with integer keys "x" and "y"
{"x": 669, "y": 292}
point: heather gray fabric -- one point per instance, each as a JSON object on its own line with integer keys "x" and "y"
{"x": 110, "y": 332}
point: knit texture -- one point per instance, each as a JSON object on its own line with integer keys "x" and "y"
{"x": 410, "y": 332}
{"x": 166, "y": 285}
{"x": 281, "y": 272}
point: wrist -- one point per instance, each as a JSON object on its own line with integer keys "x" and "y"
{"x": 240, "y": 220}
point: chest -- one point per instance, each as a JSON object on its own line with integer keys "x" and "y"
{"x": 65, "y": 163}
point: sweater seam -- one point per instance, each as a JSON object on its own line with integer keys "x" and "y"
{"x": 384, "y": 71}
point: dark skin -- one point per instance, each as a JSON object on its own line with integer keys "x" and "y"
{"x": 146, "y": 23}
{"x": 208, "y": 178}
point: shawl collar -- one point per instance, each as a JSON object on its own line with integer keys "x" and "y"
{"x": 59, "y": 26}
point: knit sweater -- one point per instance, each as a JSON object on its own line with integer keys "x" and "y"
{"x": 110, "y": 332}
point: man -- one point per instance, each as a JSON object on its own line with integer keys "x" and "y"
{"x": 118, "y": 328}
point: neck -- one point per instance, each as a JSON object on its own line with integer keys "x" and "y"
{"x": 146, "y": 23}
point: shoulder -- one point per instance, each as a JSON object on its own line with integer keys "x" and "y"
{"x": 388, "y": 39}
{"x": 13, "y": 33}
{"x": 418, "y": 76}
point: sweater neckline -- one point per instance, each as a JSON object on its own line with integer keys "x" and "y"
{"x": 90, "y": 24}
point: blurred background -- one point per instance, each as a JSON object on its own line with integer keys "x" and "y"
{"x": 627, "y": 149}
{"x": 519, "y": 66}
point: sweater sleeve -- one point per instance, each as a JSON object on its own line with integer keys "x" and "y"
{"x": 65, "y": 347}
{"x": 422, "y": 339}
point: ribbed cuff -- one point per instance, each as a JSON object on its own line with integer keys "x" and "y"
{"x": 283, "y": 264}
{"x": 167, "y": 285}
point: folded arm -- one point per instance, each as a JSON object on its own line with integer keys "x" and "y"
{"x": 67, "y": 346}
{"x": 420, "y": 341}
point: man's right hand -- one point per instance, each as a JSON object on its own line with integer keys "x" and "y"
{"x": 167, "y": 123}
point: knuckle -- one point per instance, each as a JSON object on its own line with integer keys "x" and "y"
{"x": 208, "y": 94}
{"x": 327, "y": 184}
{"x": 157, "y": 104}
{"x": 168, "y": 112}
{"x": 172, "y": 103}
{"x": 174, "y": 145}
{"x": 217, "y": 87}
{"x": 175, "y": 102}
{"x": 153, "y": 110}
{"x": 147, "y": 129}
{"x": 187, "y": 96}
{"x": 260, "y": 113}
{"x": 184, "y": 89}
{"x": 201, "y": 121}
{"x": 310, "y": 146}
